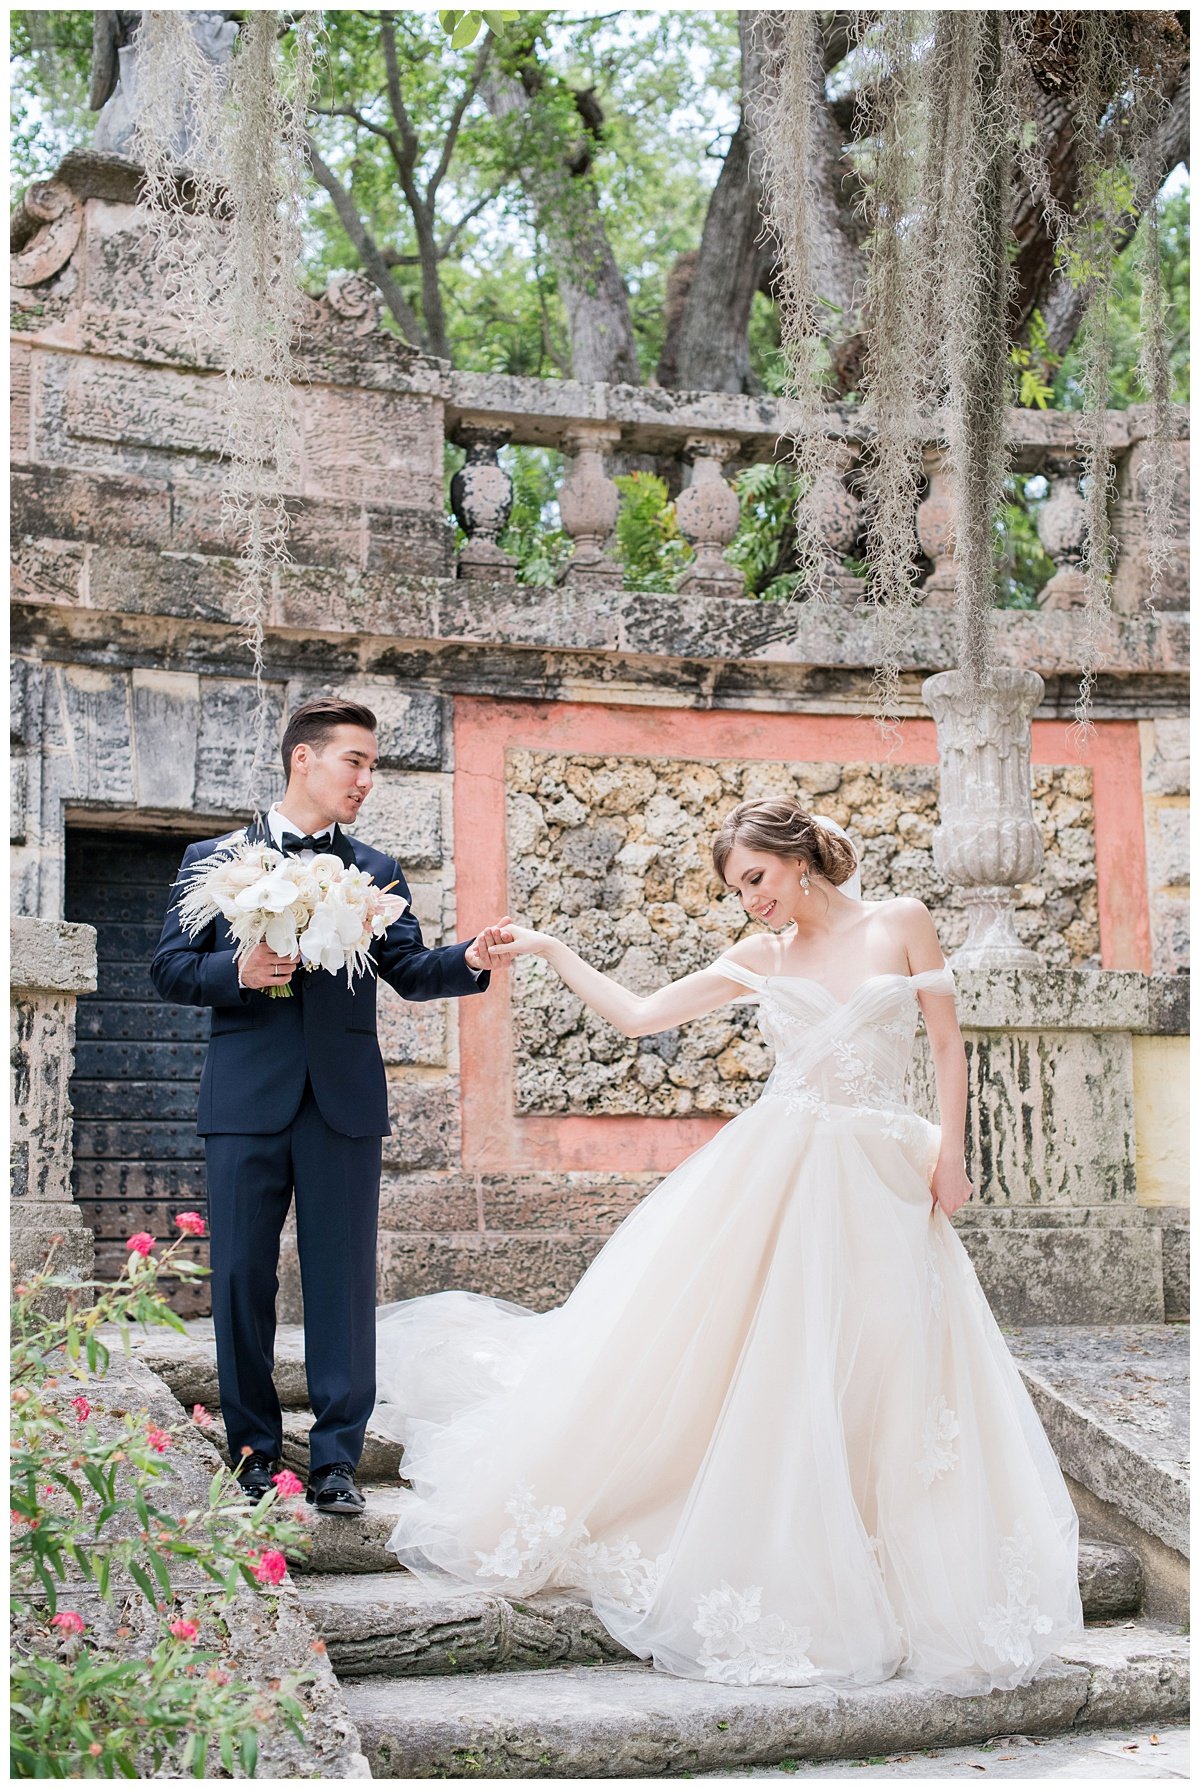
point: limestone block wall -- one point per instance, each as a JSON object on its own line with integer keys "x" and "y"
{"x": 613, "y": 855}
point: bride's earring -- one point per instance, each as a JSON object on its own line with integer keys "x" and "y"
{"x": 804, "y": 882}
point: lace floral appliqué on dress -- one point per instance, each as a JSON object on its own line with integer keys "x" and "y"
{"x": 1009, "y": 1627}
{"x": 744, "y": 1646}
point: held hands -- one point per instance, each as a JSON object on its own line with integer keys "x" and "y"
{"x": 265, "y": 968}
{"x": 482, "y": 952}
{"x": 950, "y": 1186}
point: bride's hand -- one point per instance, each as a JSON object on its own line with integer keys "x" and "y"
{"x": 522, "y": 941}
{"x": 950, "y": 1185}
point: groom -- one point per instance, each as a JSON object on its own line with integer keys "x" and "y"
{"x": 294, "y": 1098}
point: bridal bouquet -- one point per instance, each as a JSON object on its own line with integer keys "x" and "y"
{"x": 326, "y": 910}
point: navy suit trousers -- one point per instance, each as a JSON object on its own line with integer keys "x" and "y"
{"x": 251, "y": 1179}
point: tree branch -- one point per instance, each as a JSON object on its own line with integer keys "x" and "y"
{"x": 364, "y": 243}
{"x": 387, "y": 31}
{"x": 360, "y": 118}
{"x": 456, "y": 117}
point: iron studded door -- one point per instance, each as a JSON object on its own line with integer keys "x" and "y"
{"x": 137, "y": 1159}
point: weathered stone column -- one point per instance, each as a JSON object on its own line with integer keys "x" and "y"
{"x": 481, "y": 496}
{"x": 708, "y": 513}
{"x": 588, "y": 501}
{"x": 988, "y": 840}
{"x": 52, "y": 963}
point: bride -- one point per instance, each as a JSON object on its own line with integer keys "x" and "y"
{"x": 774, "y": 1433}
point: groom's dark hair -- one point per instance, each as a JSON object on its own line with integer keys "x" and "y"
{"x": 313, "y": 722}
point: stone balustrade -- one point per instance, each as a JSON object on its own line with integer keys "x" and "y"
{"x": 712, "y": 436}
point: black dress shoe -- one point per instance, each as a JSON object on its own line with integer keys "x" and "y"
{"x": 333, "y": 1491}
{"x": 254, "y": 1475}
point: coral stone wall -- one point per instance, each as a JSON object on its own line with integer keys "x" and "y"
{"x": 612, "y": 854}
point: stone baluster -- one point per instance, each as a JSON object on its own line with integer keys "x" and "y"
{"x": 935, "y": 532}
{"x": 588, "y": 502}
{"x": 51, "y": 964}
{"x": 987, "y": 840}
{"x": 1131, "y": 522}
{"x": 481, "y": 496}
{"x": 1062, "y": 530}
{"x": 708, "y": 513}
{"x": 839, "y": 514}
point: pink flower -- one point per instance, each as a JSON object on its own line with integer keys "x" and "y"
{"x": 158, "y": 1438}
{"x": 68, "y": 1622}
{"x": 185, "y": 1630}
{"x": 82, "y": 1408}
{"x": 141, "y": 1244}
{"x": 191, "y": 1223}
{"x": 271, "y": 1568}
{"x": 201, "y": 1417}
{"x": 287, "y": 1484}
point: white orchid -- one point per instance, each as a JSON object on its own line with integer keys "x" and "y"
{"x": 324, "y": 910}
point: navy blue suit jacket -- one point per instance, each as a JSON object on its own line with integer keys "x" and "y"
{"x": 261, "y": 1049}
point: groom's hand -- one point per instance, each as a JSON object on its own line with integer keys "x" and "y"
{"x": 480, "y": 953}
{"x": 265, "y": 968}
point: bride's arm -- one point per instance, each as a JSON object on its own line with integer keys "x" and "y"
{"x": 637, "y": 1015}
{"x": 951, "y": 1186}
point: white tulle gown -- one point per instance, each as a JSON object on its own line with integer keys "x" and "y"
{"x": 774, "y": 1433}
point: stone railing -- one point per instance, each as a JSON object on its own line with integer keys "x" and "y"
{"x": 712, "y": 436}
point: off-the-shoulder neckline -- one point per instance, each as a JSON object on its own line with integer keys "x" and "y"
{"x": 886, "y": 975}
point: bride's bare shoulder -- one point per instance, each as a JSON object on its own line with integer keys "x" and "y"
{"x": 908, "y": 920}
{"x": 757, "y": 953}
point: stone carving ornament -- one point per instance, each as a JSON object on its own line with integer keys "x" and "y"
{"x": 52, "y": 217}
{"x": 1062, "y": 530}
{"x": 988, "y": 841}
{"x": 115, "y": 73}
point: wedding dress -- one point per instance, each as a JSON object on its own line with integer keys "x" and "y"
{"x": 774, "y": 1433}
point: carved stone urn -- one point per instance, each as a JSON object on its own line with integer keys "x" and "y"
{"x": 988, "y": 841}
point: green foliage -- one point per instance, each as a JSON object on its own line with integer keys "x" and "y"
{"x": 83, "y": 1483}
{"x": 1125, "y": 386}
{"x": 1024, "y": 565}
{"x": 767, "y": 495}
{"x": 462, "y": 28}
{"x": 652, "y": 551}
{"x": 1036, "y": 366}
{"x": 540, "y": 547}
{"x": 50, "y": 56}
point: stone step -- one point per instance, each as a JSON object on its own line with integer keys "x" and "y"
{"x": 630, "y": 1721}
{"x": 379, "y": 1465}
{"x": 389, "y": 1624}
{"x": 188, "y": 1362}
{"x": 341, "y": 1544}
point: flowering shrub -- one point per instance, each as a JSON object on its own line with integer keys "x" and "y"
{"x": 83, "y": 1515}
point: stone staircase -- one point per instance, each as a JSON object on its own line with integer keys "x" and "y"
{"x": 551, "y": 1694}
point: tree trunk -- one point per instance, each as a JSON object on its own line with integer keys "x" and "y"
{"x": 593, "y": 292}
{"x": 708, "y": 346}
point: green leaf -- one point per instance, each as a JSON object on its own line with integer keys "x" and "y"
{"x": 249, "y": 1751}
{"x": 161, "y": 1573}
{"x": 466, "y": 31}
{"x": 227, "y": 1751}
{"x": 143, "y": 1581}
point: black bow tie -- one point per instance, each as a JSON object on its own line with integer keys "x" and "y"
{"x": 292, "y": 843}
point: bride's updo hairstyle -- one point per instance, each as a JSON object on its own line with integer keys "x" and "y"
{"x": 783, "y": 829}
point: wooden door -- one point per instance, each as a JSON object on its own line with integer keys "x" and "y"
{"x": 137, "y": 1159}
